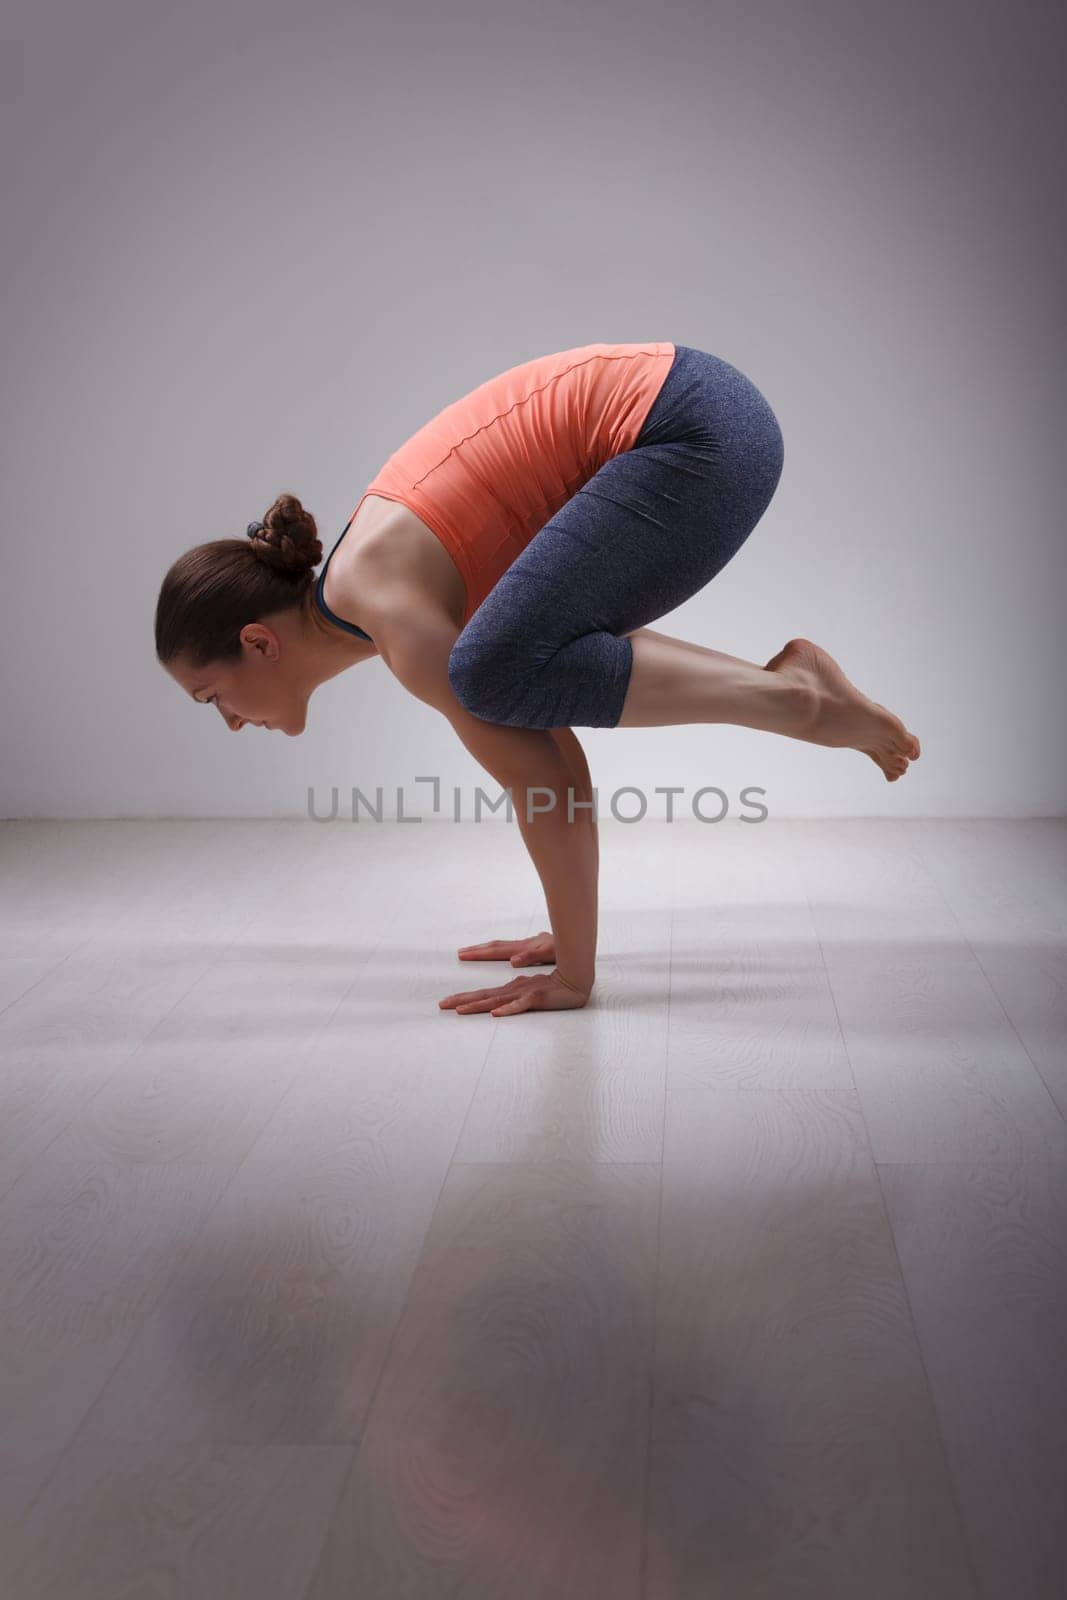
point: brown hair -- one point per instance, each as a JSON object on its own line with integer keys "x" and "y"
{"x": 214, "y": 589}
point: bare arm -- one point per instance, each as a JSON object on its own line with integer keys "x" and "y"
{"x": 582, "y": 784}
{"x": 539, "y": 949}
{"x": 415, "y": 641}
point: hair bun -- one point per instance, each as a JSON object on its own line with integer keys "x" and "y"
{"x": 287, "y": 539}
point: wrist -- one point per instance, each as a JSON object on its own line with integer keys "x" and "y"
{"x": 579, "y": 988}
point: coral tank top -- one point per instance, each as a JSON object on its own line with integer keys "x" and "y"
{"x": 487, "y": 472}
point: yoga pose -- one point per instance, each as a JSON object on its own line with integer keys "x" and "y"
{"x": 504, "y": 564}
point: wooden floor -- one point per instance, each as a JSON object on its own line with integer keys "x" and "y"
{"x": 747, "y": 1280}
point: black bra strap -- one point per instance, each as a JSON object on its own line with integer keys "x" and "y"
{"x": 350, "y": 627}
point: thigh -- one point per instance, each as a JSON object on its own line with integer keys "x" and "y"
{"x": 653, "y": 525}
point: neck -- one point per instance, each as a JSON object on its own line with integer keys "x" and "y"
{"x": 324, "y": 649}
{"x": 331, "y": 649}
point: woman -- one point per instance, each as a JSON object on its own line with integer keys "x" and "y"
{"x": 504, "y": 564}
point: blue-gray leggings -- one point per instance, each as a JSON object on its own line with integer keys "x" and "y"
{"x": 650, "y": 528}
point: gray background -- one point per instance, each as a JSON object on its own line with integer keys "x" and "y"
{"x": 250, "y": 248}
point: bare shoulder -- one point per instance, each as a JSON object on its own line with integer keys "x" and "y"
{"x": 415, "y": 638}
{"x": 392, "y": 551}
{"x": 415, "y": 641}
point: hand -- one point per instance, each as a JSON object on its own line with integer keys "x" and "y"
{"x": 536, "y": 951}
{"x": 546, "y": 991}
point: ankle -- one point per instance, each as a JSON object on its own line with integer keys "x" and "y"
{"x": 800, "y": 701}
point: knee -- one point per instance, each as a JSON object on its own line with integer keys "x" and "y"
{"x": 491, "y": 681}
{"x": 472, "y": 676}
{"x": 775, "y": 453}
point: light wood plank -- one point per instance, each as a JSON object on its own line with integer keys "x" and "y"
{"x": 593, "y": 1091}
{"x": 275, "y": 1325}
{"x": 984, "y": 1259}
{"x": 305, "y": 1262}
{"x": 939, "y": 1069}
{"x": 228, "y": 1524}
{"x": 795, "y": 1446}
{"x": 264, "y": 1195}
{"x": 751, "y": 1004}
{"x": 1007, "y": 885}
{"x": 504, "y": 1453}
{"x": 89, "y": 1238}
{"x": 20, "y": 974}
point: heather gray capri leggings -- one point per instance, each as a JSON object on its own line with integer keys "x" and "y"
{"x": 650, "y": 528}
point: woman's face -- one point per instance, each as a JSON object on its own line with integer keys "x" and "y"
{"x": 260, "y": 688}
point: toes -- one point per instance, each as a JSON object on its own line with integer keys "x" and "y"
{"x": 892, "y": 763}
{"x": 906, "y": 744}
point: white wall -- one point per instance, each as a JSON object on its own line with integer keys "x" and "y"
{"x": 252, "y": 247}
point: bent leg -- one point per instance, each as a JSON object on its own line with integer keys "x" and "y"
{"x": 549, "y": 646}
{"x": 674, "y": 681}
{"x": 801, "y": 692}
{"x": 527, "y": 679}
{"x": 552, "y": 644}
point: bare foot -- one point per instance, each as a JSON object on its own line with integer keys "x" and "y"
{"x": 845, "y": 718}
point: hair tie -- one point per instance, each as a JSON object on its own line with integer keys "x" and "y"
{"x": 254, "y": 528}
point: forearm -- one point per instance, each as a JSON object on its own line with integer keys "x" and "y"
{"x": 581, "y": 781}
{"x": 565, "y": 855}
